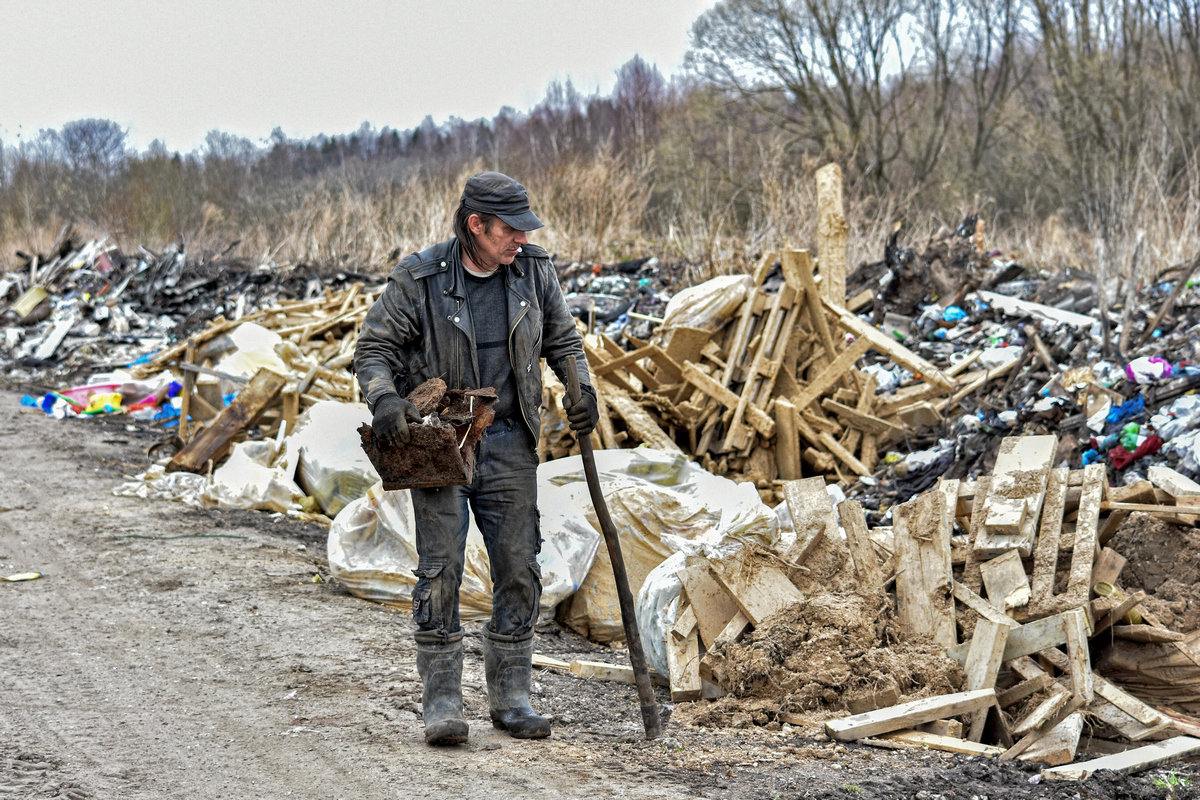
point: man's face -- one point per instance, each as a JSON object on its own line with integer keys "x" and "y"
{"x": 496, "y": 243}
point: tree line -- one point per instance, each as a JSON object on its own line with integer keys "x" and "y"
{"x": 1069, "y": 126}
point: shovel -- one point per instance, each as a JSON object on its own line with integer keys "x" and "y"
{"x": 637, "y": 657}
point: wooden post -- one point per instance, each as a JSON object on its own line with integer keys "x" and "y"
{"x": 831, "y": 234}
{"x": 787, "y": 440}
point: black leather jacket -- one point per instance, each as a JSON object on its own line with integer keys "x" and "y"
{"x": 420, "y": 328}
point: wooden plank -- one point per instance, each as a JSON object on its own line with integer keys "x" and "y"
{"x": 906, "y": 715}
{"x": 685, "y": 622}
{"x": 1032, "y": 637}
{"x": 1146, "y": 633}
{"x": 712, "y": 605}
{"x": 741, "y": 334}
{"x": 1005, "y": 581}
{"x": 844, "y": 455}
{"x": 1020, "y": 475}
{"x": 549, "y": 662}
{"x": 1083, "y": 552}
{"x": 683, "y": 663}
{"x": 812, "y": 514}
{"x": 983, "y": 665}
{"x": 862, "y": 421}
{"x": 1127, "y": 726}
{"x": 802, "y": 266}
{"x": 1026, "y": 688}
{"x": 601, "y": 671}
{"x": 923, "y": 573}
{"x": 832, "y": 374}
{"x": 787, "y": 441}
{"x": 1108, "y": 566}
{"x": 983, "y": 608}
{"x": 640, "y": 424}
{"x": 831, "y": 233}
{"x": 1123, "y": 700}
{"x": 947, "y": 743}
{"x": 1127, "y": 763}
{"x": 1059, "y": 744}
{"x": 1044, "y": 711}
{"x": 1172, "y": 482}
{"x": 1079, "y": 661}
{"x": 757, "y": 418}
{"x": 862, "y": 551}
{"x": 1024, "y": 744}
{"x": 900, "y": 354}
{"x": 1045, "y": 551}
{"x": 213, "y": 442}
{"x": 760, "y": 591}
{"x": 734, "y": 629}
{"x": 1119, "y": 612}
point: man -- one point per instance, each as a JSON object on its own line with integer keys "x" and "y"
{"x": 480, "y": 309}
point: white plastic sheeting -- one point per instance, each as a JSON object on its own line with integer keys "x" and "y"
{"x": 325, "y": 450}
{"x": 660, "y": 503}
{"x": 707, "y": 305}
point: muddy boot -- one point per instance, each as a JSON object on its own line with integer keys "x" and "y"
{"x": 508, "y": 667}
{"x": 440, "y": 666}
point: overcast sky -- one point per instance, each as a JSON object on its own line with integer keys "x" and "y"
{"x": 176, "y": 69}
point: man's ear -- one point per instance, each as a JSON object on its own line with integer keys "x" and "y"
{"x": 475, "y": 225}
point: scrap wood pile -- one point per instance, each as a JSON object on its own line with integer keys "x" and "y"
{"x": 776, "y": 390}
{"x": 1010, "y": 576}
{"x": 312, "y": 342}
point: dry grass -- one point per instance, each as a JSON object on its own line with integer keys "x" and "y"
{"x": 597, "y": 210}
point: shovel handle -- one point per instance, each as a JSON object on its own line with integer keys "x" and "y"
{"x": 637, "y": 656}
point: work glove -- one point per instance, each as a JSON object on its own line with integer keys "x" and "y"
{"x": 392, "y": 415}
{"x": 583, "y": 415}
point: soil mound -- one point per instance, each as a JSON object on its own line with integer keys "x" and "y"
{"x": 824, "y": 656}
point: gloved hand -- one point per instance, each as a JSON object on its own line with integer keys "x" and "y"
{"x": 392, "y": 415}
{"x": 583, "y": 415}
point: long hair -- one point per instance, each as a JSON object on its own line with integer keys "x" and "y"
{"x": 466, "y": 239}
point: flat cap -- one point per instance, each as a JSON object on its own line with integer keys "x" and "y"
{"x": 496, "y": 193}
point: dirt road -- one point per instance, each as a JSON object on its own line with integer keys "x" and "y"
{"x": 171, "y": 652}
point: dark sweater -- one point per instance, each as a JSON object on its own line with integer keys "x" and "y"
{"x": 489, "y": 313}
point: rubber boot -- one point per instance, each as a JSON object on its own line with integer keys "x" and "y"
{"x": 440, "y": 667}
{"x": 509, "y": 670}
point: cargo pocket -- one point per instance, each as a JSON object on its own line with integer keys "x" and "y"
{"x": 422, "y": 596}
{"x": 535, "y": 589}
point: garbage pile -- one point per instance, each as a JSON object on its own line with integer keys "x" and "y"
{"x": 954, "y": 445}
{"x": 991, "y": 618}
{"x": 85, "y": 305}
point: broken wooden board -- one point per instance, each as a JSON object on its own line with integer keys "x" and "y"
{"x": 900, "y": 354}
{"x": 1045, "y": 551}
{"x": 983, "y": 665}
{"x": 1129, "y": 762}
{"x": 601, "y": 671}
{"x": 760, "y": 589}
{"x": 1014, "y": 500}
{"x": 812, "y": 513}
{"x": 949, "y": 744}
{"x": 1173, "y": 483}
{"x": 757, "y": 418}
{"x": 862, "y": 551}
{"x": 1032, "y": 637}
{"x": 683, "y": 663}
{"x": 213, "y": 442}
{"x": 712, "y": 605}
{"x": 924, "y": 580}
{"x": 1005, "y": 581}
{"x": 1059, "y": 744}
{"x": 641, "y": 425}
{"x": 1084, "y": 547}
{"x": 1127, "y": 726}
{"x": 906, "y": 715}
